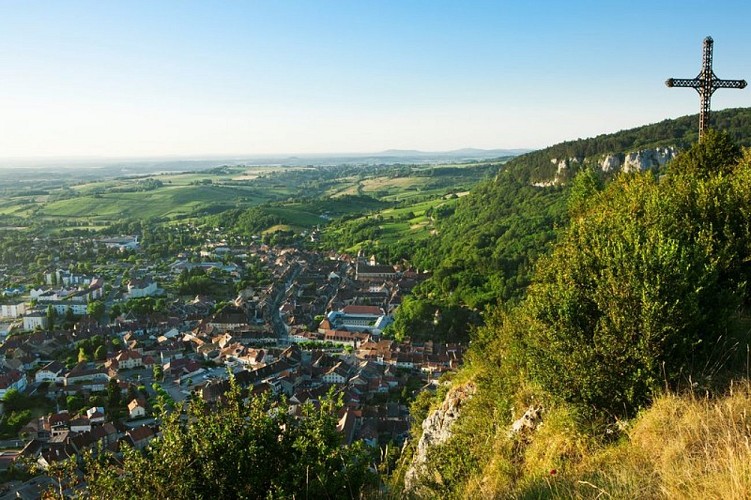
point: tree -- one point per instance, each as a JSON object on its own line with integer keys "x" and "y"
{"x": 51, "y": 314}
{"x": 95, "y": 309}
{"x": 100, "y": 354}
{"x": 82, "y": 355}
{"x": 70, "y": 319}
{"x": 237, "y": 449}
{"x": 115, "y": 312}
{"x": 12, "y": 400}
{"x": 640, "y": 289}
{"x": 114, "y": 399}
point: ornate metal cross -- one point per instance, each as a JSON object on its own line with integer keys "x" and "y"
{"x": 706, "y": 83}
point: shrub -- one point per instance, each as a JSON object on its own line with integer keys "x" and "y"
{"x": 638, "y": 292}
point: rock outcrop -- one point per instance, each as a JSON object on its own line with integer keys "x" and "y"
{"x": 527, "y": 422}
{"x": 645, "y": 159}
{"x": 436, "y": 429}
{"x": 637, "y": 161}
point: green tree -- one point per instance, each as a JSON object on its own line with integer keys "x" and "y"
{"x": 95, "y": 309}
{"x": 639, "y": 290}
{"x": 238, "y": 449}
{"x": 83, "y": 355}
{"x": 114, "y": 399}
{"x": 51, "y": 314}
{"x": 115, "y": 311}
{"x": 69, "y": 319}
{"x": 100, "y": 354}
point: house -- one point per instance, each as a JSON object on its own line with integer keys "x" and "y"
{"x": 346, "y": 427}
{"x": 80, "y": 424}
{"x": 12, "y": 379}
{"x": 50, "y": 372}
{"x": 337, "y": 374}
{"x": 83, "y": 373}
{"x": 146, "y": 287}
{"x": 137, "y": 409}
{"x": 35, "y": 319}
{"x": 95, "y": 414}
{"x": 374, "y": 271}
{"x": 129, "y": 359}
{"x": 140, "y": 437}
{"x": 12, "y": 310}
{"x": 121, "y": 243}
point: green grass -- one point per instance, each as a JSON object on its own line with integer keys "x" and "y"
{"x": 164, "y": 202}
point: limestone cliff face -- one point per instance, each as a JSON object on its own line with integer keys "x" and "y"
{"x": 636, "y": 161}
{"x": 436, "y": 429}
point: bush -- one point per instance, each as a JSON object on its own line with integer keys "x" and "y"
{"x": 639, "y": 291}
{"x": 237, "y": 450}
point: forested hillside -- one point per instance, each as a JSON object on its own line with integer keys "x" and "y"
{"x": 633, "y": 323}
{"x": 485, "y": 249}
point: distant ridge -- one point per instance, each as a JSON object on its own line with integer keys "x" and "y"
{"x": 679, "y": 132}
{"x": 142, "y": 166}
{"x": 485, "y": 153}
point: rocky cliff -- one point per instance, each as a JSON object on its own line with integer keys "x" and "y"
{"x": 636, "y": 161}
{"x": 436, "y": 429}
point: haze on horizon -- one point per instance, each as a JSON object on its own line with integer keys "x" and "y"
{"x": 196, "y": 79}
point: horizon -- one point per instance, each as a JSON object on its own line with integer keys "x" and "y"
{"x": 88, "y": 81}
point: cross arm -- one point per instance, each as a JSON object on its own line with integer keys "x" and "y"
{"x": 729, "y": 84}
{"x": 683, "y": 82}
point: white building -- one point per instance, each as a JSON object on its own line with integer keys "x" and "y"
{"x": 142, "y": 288}
{"x": 34, "y": 320}
{"x": 12, "y": 310}
{"x": 338, "y": 374}
{"x": 357, "y": 318}
{"x": 121, "y": 243}
{"x": 50, "y": 372}
{"x": 61, "y": 308}
{"x": 136, "y": 409}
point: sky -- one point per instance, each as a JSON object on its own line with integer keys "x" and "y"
{"x": 198, "y": 78}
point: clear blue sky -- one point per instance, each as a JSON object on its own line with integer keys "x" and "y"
{"x": 153, "y": 78}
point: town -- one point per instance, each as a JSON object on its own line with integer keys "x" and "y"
{"x": 110, "y": 335}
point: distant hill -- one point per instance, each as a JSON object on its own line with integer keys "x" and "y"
{"x": 456, "y": 153}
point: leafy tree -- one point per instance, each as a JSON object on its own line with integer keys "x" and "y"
{"x": 238, "y": 449}
{"x": 83, "y": 356}
{"x": 114, "y": 399}
{"x": 639, "y": 291}
{"x": 95, "y": 309}
{"x": 100, "y": 354}
{"x": 12, "y": 399}
{"x": 51, "y": 314}
{"x": 115, "y": 311}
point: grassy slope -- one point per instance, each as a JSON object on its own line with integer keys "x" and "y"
{"x": 681, "y": 447}
{"x": 162, "y": 202}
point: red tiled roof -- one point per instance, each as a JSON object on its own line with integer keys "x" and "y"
{"x": 355, "y": 309}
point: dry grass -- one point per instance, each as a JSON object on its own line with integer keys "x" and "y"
{"x": 683, "y": 447}
{"x": 698, "y": 447}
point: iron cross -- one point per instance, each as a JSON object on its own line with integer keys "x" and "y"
{"x": 706, "y": 83}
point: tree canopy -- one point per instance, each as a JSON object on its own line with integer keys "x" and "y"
{"x": 639, "y": 291}
{"x": 239, "y": 449}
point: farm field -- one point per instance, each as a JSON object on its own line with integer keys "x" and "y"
{"x": 289, "y": 198}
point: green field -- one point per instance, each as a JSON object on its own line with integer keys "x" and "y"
{"x": 297, "y": 197}
{"x": 163, "y": 202}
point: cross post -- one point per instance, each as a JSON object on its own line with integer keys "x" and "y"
{"x": 705, "y": 84}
